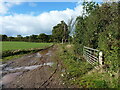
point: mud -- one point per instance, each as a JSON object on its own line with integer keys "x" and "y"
{"x": 36, "y": 70}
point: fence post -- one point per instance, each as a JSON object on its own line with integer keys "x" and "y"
{"x": 100, "y": 58}
{"x": 83, "y": 52}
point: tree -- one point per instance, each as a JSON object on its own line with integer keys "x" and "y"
{"x": 4, "y": 37}
{"x": 60, "y": 32}
{"x": 33, "y": 38}
{"x": 50, "y": 39}
{"x": 0, "y": 37}
{"x": 11, "y": 38}
{"x": 79, "y": 35}
{"x": 19, "y": 37}
{"x": 84, "y": 28}
{"x": 43, "y": 37}
{"x": 26, "y": 38}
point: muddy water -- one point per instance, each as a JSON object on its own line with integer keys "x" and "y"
{"x": 2, "y": 65}
{"x": 27, "y": 67}
{"x": 15, "y": 68}
{"x": 9, "y": 77}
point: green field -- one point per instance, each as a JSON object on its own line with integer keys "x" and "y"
{"x": 13, "y": 45}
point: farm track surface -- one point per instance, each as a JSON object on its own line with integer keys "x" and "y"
{"x": 39, "y": 70}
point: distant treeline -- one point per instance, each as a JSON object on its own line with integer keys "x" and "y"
{"x": 32, "y": 38}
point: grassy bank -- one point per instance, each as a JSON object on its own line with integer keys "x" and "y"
{"x": 79, "y": 73}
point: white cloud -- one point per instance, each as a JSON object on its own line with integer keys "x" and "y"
{"x": 4, "y": 6}
{"x": 43, "y": 23}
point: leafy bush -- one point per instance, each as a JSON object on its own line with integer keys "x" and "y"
{"x": 99, "y": 30}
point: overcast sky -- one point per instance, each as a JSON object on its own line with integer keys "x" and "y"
{"x": 27, "y": 18}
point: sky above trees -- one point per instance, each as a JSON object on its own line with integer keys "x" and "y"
{"x": 28, "y": 18}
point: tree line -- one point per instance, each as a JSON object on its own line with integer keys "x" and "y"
{"x": 32, "y": 38}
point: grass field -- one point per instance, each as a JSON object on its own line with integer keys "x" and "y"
{"x": 7, "y": 45}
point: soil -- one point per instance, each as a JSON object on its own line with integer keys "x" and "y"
{"x": 47, "y": 75}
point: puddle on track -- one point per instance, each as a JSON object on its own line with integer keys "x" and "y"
{"x": 2, "y": 65}
{"x": 49, "y": 53}
{"x": 38, "y": 55}
{"x": 27, "y": 67}
{"x": 9, "y": 78}
{"x": 6, "y": 79}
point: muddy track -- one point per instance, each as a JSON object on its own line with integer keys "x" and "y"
{"x": 48, "y": 81}
{"x": 34, "y": 71}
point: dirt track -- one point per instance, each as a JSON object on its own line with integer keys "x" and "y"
{"x": 37, "y": 70}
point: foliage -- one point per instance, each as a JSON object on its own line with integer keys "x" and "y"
{"x": 3, "y": 37}
{"x": 98, "y": 80}
{"x": 43, "y": 37}
{"x": 98, "y": 28}
{"x": 32, "y": 38}
{"x": 60, "y": 32}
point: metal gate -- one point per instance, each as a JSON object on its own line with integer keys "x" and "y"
{"x": 93, "y": 56}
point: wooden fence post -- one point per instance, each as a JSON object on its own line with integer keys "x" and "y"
{"x": 100, "y": 58}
